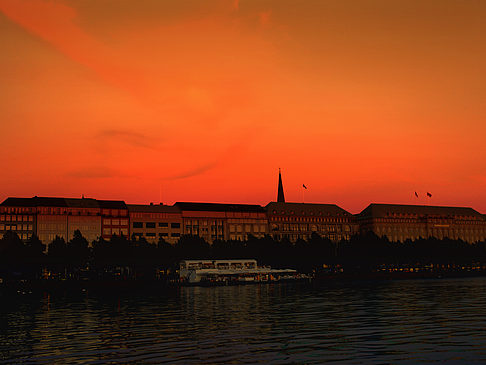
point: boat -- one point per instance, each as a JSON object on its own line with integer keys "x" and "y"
{"x": 231, "y": 271}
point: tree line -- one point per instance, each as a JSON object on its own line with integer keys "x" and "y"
{"x": 134, "y": 257}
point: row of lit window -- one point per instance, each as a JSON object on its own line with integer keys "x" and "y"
{"x": 251, "y": 221}
{"x": 438, "y": 221}
{"x": 16, "y": 218}
{"x": 203, "y": 222}
{"x": 241, "y": 237}
{"x": 153, "y": 225}
{"x": 332, "y": 237}
{"x": 16, "y": 209}
{"x": 115, "y": 222}
{"x": 115, "y": 212}
{"x": 162, "y": 234}
{"x": 429, "y": 216}
{"x": 154, "y": 215}
{"x": 424, "y": 230}
{"x": 52, "y": 226}
{"x": 203, "y": 230}
{"x": 402, "y": 238}
{"x": 306, "y": 219}
{"x": 310, "y": 227}
{"x": 115, "y": 231}
{"x": 16, "y": 227}
{"x": 248, "y": 228}
{"x": 244, "y": 215}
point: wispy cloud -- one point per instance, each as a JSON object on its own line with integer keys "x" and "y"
{"x": 194, "y": 171}
{"x": 57, "y": 23}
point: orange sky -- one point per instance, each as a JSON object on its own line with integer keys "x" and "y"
{"x": 189, "y": 100}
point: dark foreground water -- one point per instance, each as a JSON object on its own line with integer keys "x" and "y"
{"x": 351, "y": 323}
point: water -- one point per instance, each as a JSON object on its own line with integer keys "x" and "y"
{"x": 399, "y": 322}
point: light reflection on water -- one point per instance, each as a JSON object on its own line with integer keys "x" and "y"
{"x": 351, "y": 323}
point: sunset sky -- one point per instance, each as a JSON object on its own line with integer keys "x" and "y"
{"x": 190, "y": 100}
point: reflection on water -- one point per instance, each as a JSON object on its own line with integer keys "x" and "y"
{"x": 384, "y": 322}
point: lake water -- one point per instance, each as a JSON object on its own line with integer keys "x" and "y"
{"x": 399, "y": 322}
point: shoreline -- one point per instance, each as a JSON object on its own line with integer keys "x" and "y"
{"x": 135, "y": 285}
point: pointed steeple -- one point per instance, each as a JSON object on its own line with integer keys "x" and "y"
{"x": 280, "y": 195}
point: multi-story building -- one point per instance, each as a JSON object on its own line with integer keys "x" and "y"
{"x": 50, "y": 217}
{"x": 155, "y": 221}
{"x": 114, "y": 214}
{"x": 402, "y": 222}
{"x": 299, "y": 220}
{"x": 213, "y": 221}
{"x": 18, "y": 215}
{"x": 83, "y": 215}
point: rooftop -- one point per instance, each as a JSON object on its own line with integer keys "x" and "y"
{"x": 384, "y": 210}
{"x": 217, "y": 207}
{"x": 153, "y": 208}
{"x": 305, "y": 209}
{"x": 37, "y": 201}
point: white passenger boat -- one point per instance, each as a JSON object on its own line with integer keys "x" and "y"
{"x": 230, "y": 271}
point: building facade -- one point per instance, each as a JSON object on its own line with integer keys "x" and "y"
{"x": 18, "y": 215}
{"x": 295, "y": 221}
{"x": 402, "y": 222}
{"x": 49, "y": 218}
{"x": 213, "y": 221}
{"x": 83, "y": 215}
{"x": 114, "y": 214}
{"x": 155, "y": 221}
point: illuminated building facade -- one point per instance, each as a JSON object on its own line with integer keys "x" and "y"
{"x": 82, "y": 215}
{"x": 155, "y": 221}
{"x": 213, "y": 221}
{"x": 299, "y": 220}
{"x": 402, "y": 222}
{"x": 18, "y": 215}
{"x": 50, "y": 217}
{"x": 114, "y": 221}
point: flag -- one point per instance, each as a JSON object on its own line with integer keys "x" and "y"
{"x": 429, "y": 195}
{"x": 416, "y": 194}
{"x": 305, "y": 187}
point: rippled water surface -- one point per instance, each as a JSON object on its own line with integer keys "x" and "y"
{"x": 350, "y": 323}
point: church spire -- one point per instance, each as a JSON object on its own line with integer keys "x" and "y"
{"x": 280, "y": 195}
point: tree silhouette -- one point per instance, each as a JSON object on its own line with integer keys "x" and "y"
{"x": 77, "y": 251}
